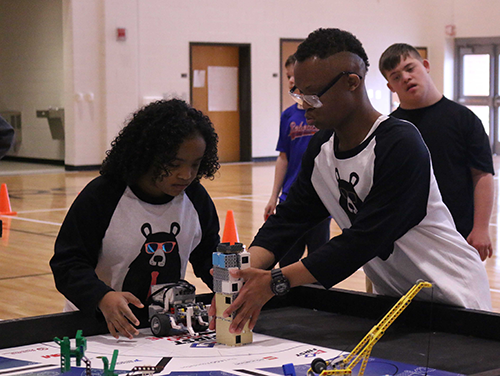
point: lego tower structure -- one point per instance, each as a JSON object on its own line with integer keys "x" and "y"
{"x": 229, "y": 256}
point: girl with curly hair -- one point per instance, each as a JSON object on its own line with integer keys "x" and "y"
{"x": 141, "y": 221}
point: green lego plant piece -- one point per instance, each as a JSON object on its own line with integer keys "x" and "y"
{"x": 81, "y": 346}
{"x": 67, "y": 352}
{"x": 109, "y": 369}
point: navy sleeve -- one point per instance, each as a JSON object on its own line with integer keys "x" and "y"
{"x": 396, "y": 202}
{"x": 201, "y": 256}
{"x": 79, "y": 242}
{"x": 301, "y": 210}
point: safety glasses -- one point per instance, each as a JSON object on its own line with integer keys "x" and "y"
{"x": 313, "y": 99}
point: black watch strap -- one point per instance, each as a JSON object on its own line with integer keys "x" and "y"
{"x": 276, "y": 273}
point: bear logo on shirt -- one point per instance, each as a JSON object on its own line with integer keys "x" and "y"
{"x": 158, "y": 262}
{"x": 349, "y": 199}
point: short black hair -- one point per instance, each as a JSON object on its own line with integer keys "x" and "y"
{"x": 324, "y": 43}
{"x": 392, "y": 56}
{"x": 152, "y": 138}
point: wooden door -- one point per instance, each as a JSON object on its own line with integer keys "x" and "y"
{"x": 288, "y": 47}
{"x": 215, "y": 91}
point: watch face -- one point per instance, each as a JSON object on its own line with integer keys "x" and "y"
{"x": 279, "y": 284}
{"x": 280, "y": 288}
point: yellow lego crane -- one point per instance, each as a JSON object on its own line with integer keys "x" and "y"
{"x": 364, "y": 348}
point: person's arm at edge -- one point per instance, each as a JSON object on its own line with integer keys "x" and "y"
{"x": 279, "y": 178}
{"x": 479, "y": 237}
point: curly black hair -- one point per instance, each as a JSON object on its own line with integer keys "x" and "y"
{"x": 324, "y": 43}
{"x": 152, "y": 138}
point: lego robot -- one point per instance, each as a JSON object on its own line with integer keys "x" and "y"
{"x": 173, "y": 309}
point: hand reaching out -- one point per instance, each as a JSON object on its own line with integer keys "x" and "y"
{"x": 119, "y": 317}
{"x": 253, "y": 295}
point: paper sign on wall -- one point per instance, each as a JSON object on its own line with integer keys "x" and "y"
{"x": 222, "y": 88}
{"x": 199, "y": 78}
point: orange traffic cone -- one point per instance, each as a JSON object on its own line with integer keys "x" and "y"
{"x": 230, "y": 232}
{"x": 5, "y": 201}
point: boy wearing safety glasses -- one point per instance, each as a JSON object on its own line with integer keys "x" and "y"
{"x": 372, "y": 173}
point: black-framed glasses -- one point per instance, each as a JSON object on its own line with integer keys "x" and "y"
{"x": 313, "y": 99}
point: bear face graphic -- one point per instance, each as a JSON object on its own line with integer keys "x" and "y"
{"x": 157, "y": 262}
{"x": 349, "y": 199}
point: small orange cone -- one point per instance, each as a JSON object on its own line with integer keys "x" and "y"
{"x": 230, "y": 232}
{"x": 5, "y": 201}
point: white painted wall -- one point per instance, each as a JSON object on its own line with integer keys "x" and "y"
{"x": 84, "y": 82}
{"x": 167, "y": 27}
{"x": 151, "y": 61}
{"x": 31, "y": 70}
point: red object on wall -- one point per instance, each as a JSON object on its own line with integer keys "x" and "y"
{"x": 450, "y": 30}
{"x": 121, "y": 34}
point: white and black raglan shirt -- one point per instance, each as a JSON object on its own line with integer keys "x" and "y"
{"x": 115, "y": 237}
{"x": 384, "y": 197}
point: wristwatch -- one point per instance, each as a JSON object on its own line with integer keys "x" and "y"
{"x": 279, "y": 283}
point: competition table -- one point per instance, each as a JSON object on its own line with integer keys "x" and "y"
{"x": 425, "y": 334}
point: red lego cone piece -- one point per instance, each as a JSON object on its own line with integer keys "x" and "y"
{"x": 230, "y": 232}
{"x": 5, "y": 201}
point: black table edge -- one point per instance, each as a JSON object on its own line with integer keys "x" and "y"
{"x": 418, "y": 314}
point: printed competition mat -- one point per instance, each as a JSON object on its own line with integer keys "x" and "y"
{"x": 188, "y": 356}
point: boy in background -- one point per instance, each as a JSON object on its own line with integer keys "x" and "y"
{"x": 459, "y": 146}
{"x": 294, "y": 137}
